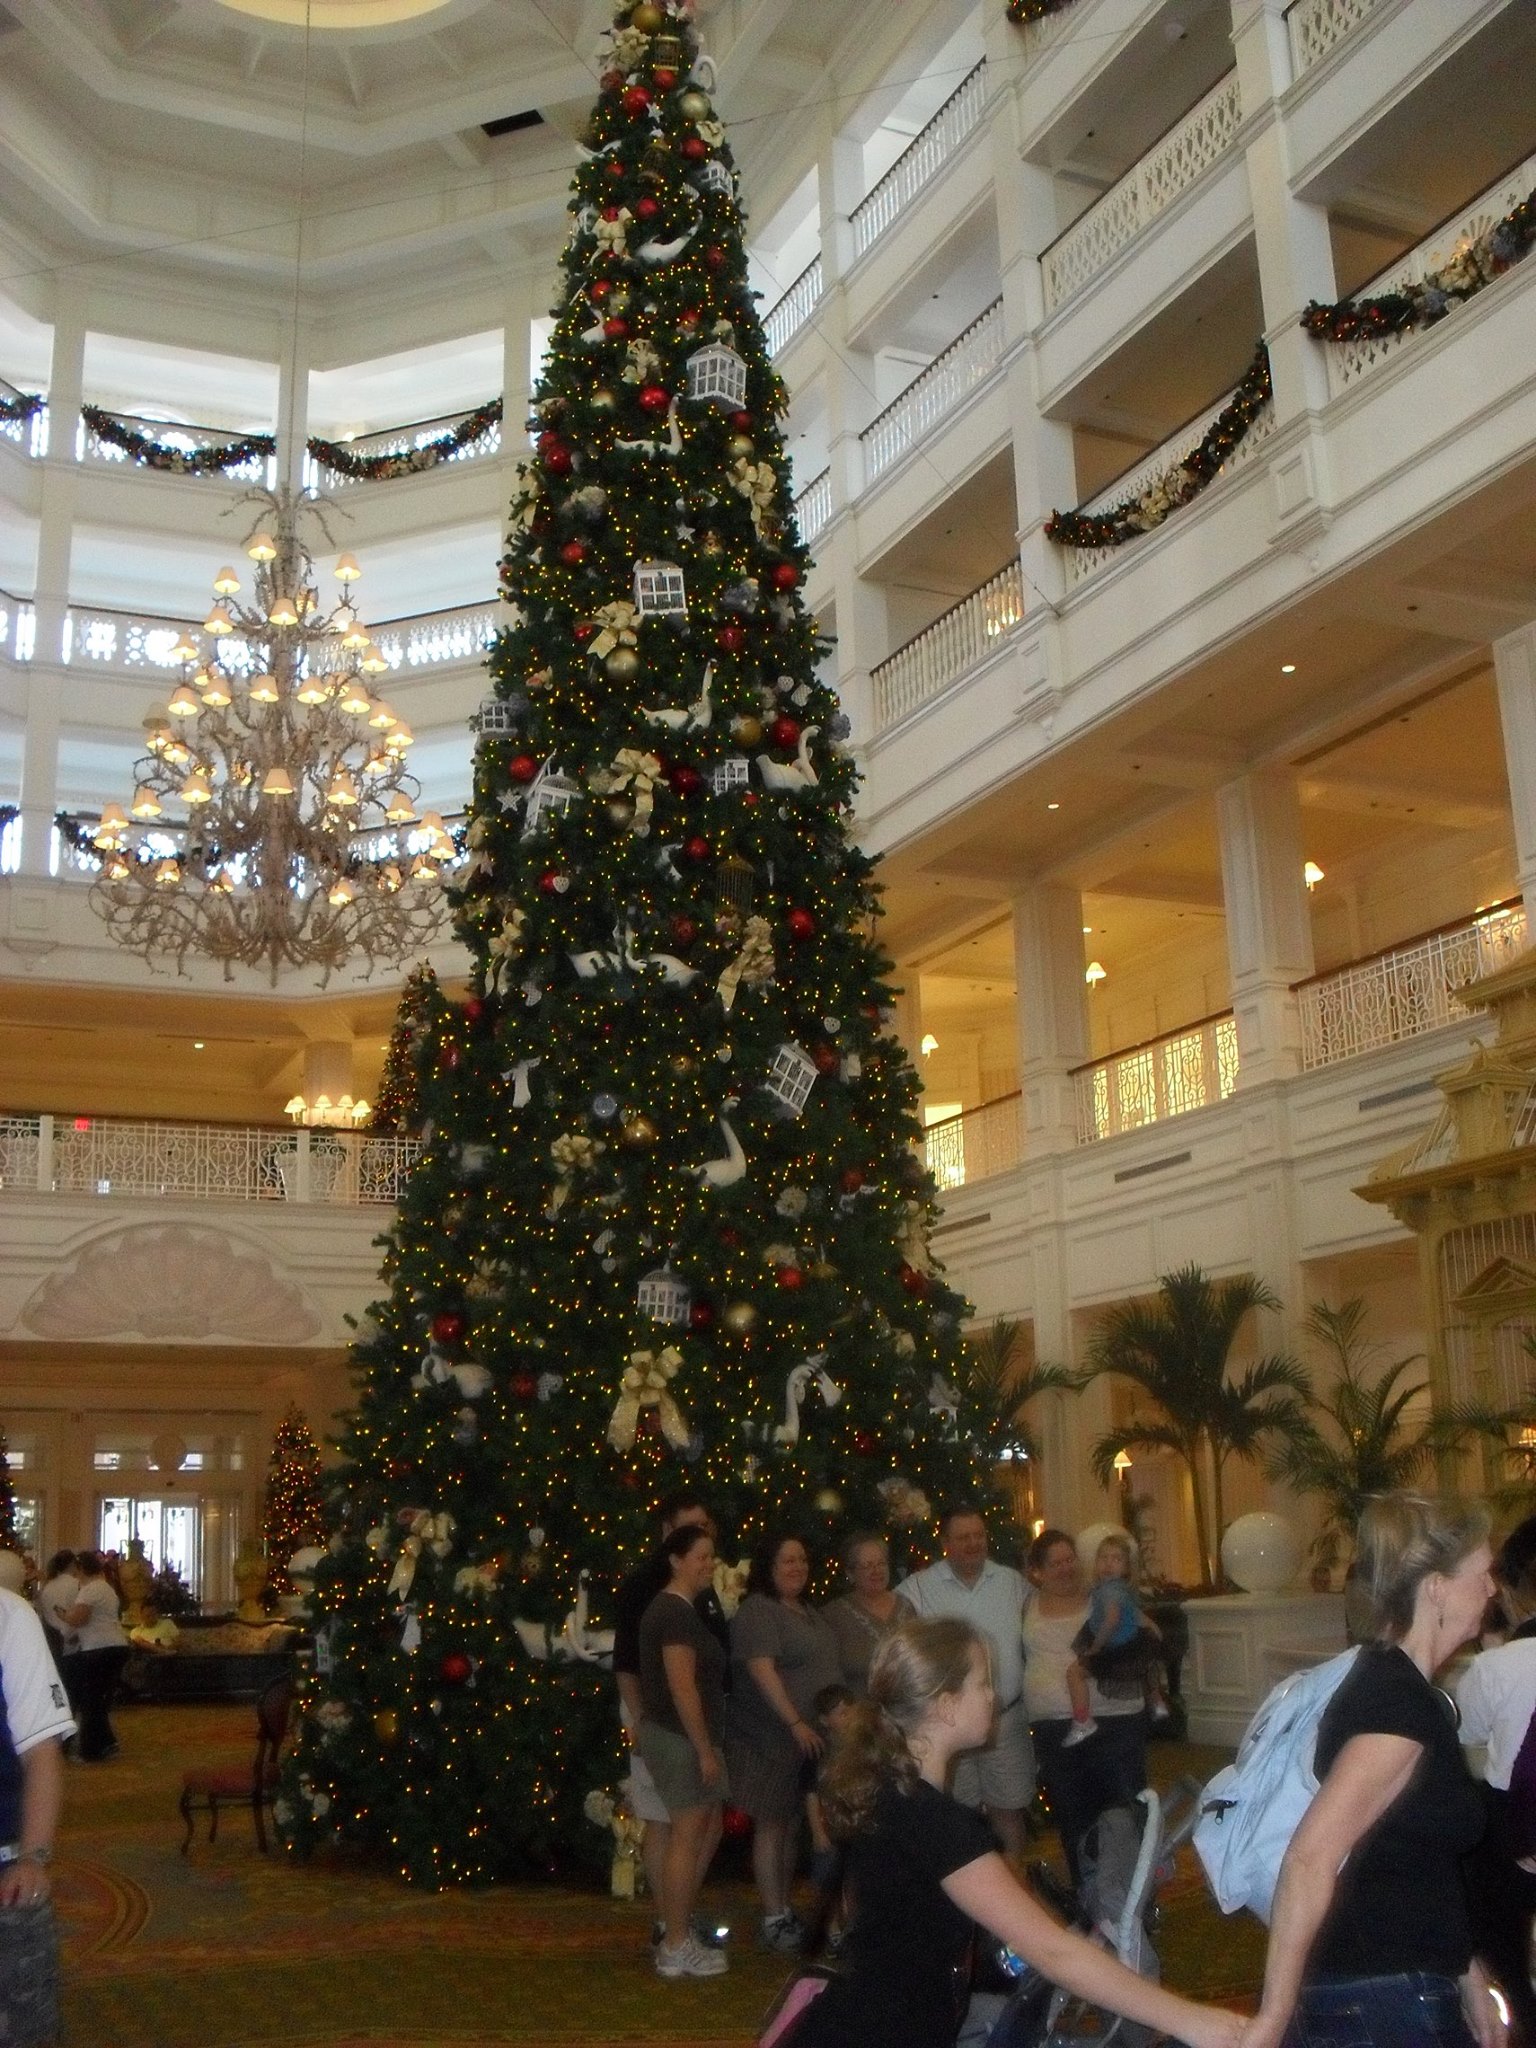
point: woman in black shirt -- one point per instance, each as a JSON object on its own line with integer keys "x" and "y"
{"x": 923, "y": 1869}
{"x": 1371, "y": 1944}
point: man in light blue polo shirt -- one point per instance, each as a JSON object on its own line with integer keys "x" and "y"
{"x": 965, "y": 1584}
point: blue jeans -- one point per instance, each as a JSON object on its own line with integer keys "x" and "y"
{"x": 1415, "y": 2010}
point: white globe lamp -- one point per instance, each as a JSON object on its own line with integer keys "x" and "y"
{"x": 1261, "y": 1553}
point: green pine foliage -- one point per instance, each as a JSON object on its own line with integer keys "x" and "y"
{"x": 690, "y": 911}
{"x": 398, "y": 1105}
{"x": 294, "y": 1508}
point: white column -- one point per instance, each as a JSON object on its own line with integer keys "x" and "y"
{"x": 1514, "y": 664}
{"x": 1269, "y": 933}
{"x": 525, "y": 302}
{"x": 1052, "y": 1012}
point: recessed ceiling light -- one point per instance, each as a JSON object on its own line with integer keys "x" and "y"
{"x": 197, "y": 1045}
{"x": 1287, "y": 668}
{"x": 1053, "y": 807}
{"x": 1087, "y": 928}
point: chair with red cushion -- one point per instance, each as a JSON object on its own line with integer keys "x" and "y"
{"x": 254, "y": 1784}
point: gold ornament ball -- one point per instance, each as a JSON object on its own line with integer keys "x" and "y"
{"x": 620, "y": 810}
{"x": 386, "y": 1725}
{"x": 740, "y": 1318}
{"x": 647, "y": 18}
{"x": 748, "y": 730}
{"x": 603, "y": 400}
{"x": 828, "y": 1502}
{"x": 743, "y": 445}
{"x": 622, "y": 664}
{"x": 638, "y": 1132}
{"x": 710, "y": 543}
{"x": 822, "y": 1269}
{"x": 694, "y": 105}
{"x": 618, "y": 299}
{"x": 682, "y": 1063}
{"x": 531, "y": 1563}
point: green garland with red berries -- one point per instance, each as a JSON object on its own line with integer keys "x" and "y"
{"x": 343, "y": 460}
{"x": 1023, "y": 12}
{"x": 217, "y": 459}
{"x": 21, "y": 405}
{"x": 1422, "y": 302}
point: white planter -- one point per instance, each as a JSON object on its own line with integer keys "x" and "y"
{"x": 1241, "y": 1644}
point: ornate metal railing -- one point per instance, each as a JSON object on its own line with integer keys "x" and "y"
{"x": 1081, "y": 563}
{"x": 1185, "y": 153}
{"x": 813, "y": 507}
{"x": 1166, "y": 1077}
{"x": 978, "y": 1144}
{"x": 1316, "y": 26}
{"x": 789, "y": 313}
{"x": 955, "y": 642}
{"x": 1407, "y": 990}
{"x": 970, "y": 357}
{"x": 90, "y": 447}
{"x": 1349, "y": 361}
{"x": 61, "y": 1155}
{"x": 404, "y": 440}
{"x": 922, "y": 160}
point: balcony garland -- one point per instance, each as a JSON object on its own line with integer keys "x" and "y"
{"x": 218, "y": 458}
{"x": 1025, "y": 11}
{"x": 1423, "y": 301}
{"x": 1176, "y": 486}
{"x": 341, "y": 459}
{"x": 22, "y": 406}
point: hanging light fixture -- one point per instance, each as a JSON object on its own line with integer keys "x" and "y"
{"x": 267, "y": 828}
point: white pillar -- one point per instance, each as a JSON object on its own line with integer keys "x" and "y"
{"x": 1052, "y": 1012}
{"x": 1514, "y": 664}
{"x": 525, "y": 302}
{"x": 1269, "y": 934}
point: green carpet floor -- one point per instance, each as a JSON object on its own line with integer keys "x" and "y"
{"x": 225, "y": 1948}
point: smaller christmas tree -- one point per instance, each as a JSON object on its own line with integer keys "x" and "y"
{"x": 8, "y": 1537}
{"x": 295, "y": 1514}
{"x": 397, "y": 1108}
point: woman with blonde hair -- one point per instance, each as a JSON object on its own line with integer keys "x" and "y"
{"x": 923, "y": 1869}
{"x": 1371, "y": 1943}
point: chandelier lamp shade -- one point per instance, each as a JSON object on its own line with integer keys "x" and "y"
{"x": 273, "y": 824}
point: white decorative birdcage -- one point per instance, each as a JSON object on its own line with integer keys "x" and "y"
{"x": 734, "y": 772}
{"x": 791, "y": 1078}
{"x": 717, "y": 375}
{"x": 659, "y": 591}
{"x": 662, "y": 1296}
{"x": 714, "y": 177}
{"x": 735, "y": 885}
{"x": 550, "y": 796}
{"x": 493, "y": 720}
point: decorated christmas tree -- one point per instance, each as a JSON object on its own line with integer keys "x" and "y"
{"x": 294, "y": 1509}
{"x": 8, "y": 1537}
{"x": 397, "y": 1107}
{"x": 670, "y": 1223}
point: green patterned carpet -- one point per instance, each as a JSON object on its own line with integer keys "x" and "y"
{"x": 225, "y": 1948}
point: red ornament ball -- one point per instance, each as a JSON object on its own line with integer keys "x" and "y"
{"x": 522, "y": 768}
{"x": 555, "y": 456}
{"x": 731, "y": 638}
{"x": 474, "y": 1009}
{"x": 851, "y": 1179}
{"x": 701, "y": 1315}
{"x": 714, "y": 256}
{"x": 730, "y": 1236}
{"x": 584, "y": 629}
{"x": 864, "y": 1443}
{"x": 743, "y": 422}
{"x": 654, "y": 398}
{"x": 550, "y": 882}
{"x": 600, "y": 288}
{"x": 573, "y": 553}
{"x": 785, "y": 732}
{"x": 525, "y": 1386}
{"x": 684, "y": 931}
{"x": 448, "y": 1327}
{"x": 616, "y": 327}
{"x": 750, "y": 799}
{"x": 647, "y": 208}
{"x": 785, "y": 576}
{"x": 695, "y": 148}
{"x": 913, "y": 1279}
{"x": 827, "y": 1058}
{"x": 697, "y": 848}
{"x": 635, "y": 99}
{"x": 689, "y": 317}
{"x": 686, "y": 781}
{"x": 615, "y": 168}
{"x": 456, "y": 1668}
{"x": 665, "y": 77}
{"x": 610, "y": 213}
{"x": 789, "y": 1277}
{"x": 801, "y": 924}
{"x": 449, "y": 1058}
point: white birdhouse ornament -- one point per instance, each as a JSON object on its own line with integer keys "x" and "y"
{"x": 717, "y": 376}
{"x": 662, "y": 1296}
{"x": 550, "y": 795}
{"x": 659, "y": 591}
{"x": 791, "y": 1078}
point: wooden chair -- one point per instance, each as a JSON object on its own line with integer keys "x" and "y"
{"x": 253, "y": 1785}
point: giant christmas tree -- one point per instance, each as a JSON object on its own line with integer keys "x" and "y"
{"x": 669, "y": 1224}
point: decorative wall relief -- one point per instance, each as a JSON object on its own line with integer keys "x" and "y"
{"x": 173, "y": 1282}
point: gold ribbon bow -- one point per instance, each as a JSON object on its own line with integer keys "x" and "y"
{"x": 628, "y": 47}
{"x": 573, "y": 1153}
{"x": 618, "y": 621}
{"x": 711, "y": 131}
{"x": 525, "y": 501}
{"x": 610, "y": 235}
{"x": 504, "y": 947}
{"x": 644, "y": 1385}
{"x": 429, "y": 1531}
{"x": 757, "y": 482}
{"x": 475, "y": 1581}
{"x": 636, "y": 771}
{"x": 753, "y": 965}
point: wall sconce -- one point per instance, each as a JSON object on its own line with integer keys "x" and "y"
{"x": 1094, "y": 973}
{"x": 1312, "y": 874}
{"x": 929, "y": 1045}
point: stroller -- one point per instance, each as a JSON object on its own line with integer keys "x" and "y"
{"x": 1123, "y": 1856}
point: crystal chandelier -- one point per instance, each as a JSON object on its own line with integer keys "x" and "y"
{"x": 273, "y": 824}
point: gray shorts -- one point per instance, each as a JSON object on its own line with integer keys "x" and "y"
{"x": 673, "y": 1764}
{"x": 645, "y": 1802}
{"x": 1000, "y": 1777}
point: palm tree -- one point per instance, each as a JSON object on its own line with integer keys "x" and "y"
{"x": 1175, "y": 1348}
{"x": 998, "y": 1388}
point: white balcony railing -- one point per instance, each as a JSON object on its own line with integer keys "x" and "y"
{"x": 978, "y": 1144}
{"x": 18, "y": 627}
{"x": 405, "y": 440}
{"x": 1316, "y": 26}
{"x": 139, "y": 643}
{"x": 788, "y": 314}
{"x": 813, "y": 507}
{"x": 1165, "y": 1078}
{"x": 61, "y": 1155}
{"x": 922, "y": 160}
{"x": 91, "y": 448}
{"x": 1191, "y": 146}
{"x": 433, "y": 639}
{"x": 30, "y": 435}
{"x": 1349, "y": 361}
{"x": 955, "y": 642}
{"x": 1405, "y": 992}
{"x": 1081, "y": 563}
{"x": 968, "y": 360}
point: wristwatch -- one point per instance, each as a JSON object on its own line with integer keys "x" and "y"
{"x": 10, "y": 1855}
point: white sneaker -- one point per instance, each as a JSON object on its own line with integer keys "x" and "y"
{"x": 690, "y": 1959}
{"x": 1080, "y": 1732}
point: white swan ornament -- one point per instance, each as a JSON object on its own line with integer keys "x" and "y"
{"x": 788, "y": 776}
{"x": 723, "y": 1173}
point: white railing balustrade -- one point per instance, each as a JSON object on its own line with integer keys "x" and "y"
{"x": 1195, "y": 142}
{"x": 18, "y": 627}
{"x": 813, "y": 507}
{"x": 1407, "y": 991}
{"x": 1316, "y": 26}
{"x": 788, "y": 314}
{"x": 978, "y": 1144}
{"x": 1349, "y": 361}
{"x": 91, "y": 448}
{"x": 969, "y": 359}
{"x": 131, "y": 642}
{"x": 137, "y": 1161}
{"x": 922, "y": 160}
{"x": 1167, "y": 1077}
{"x": 30, "y": 435}
{"x": 434, "y": 638}
{"x": 1081, "y": 563}
{"x": 405, "y": 440}
{"x": 963, "y": 636}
